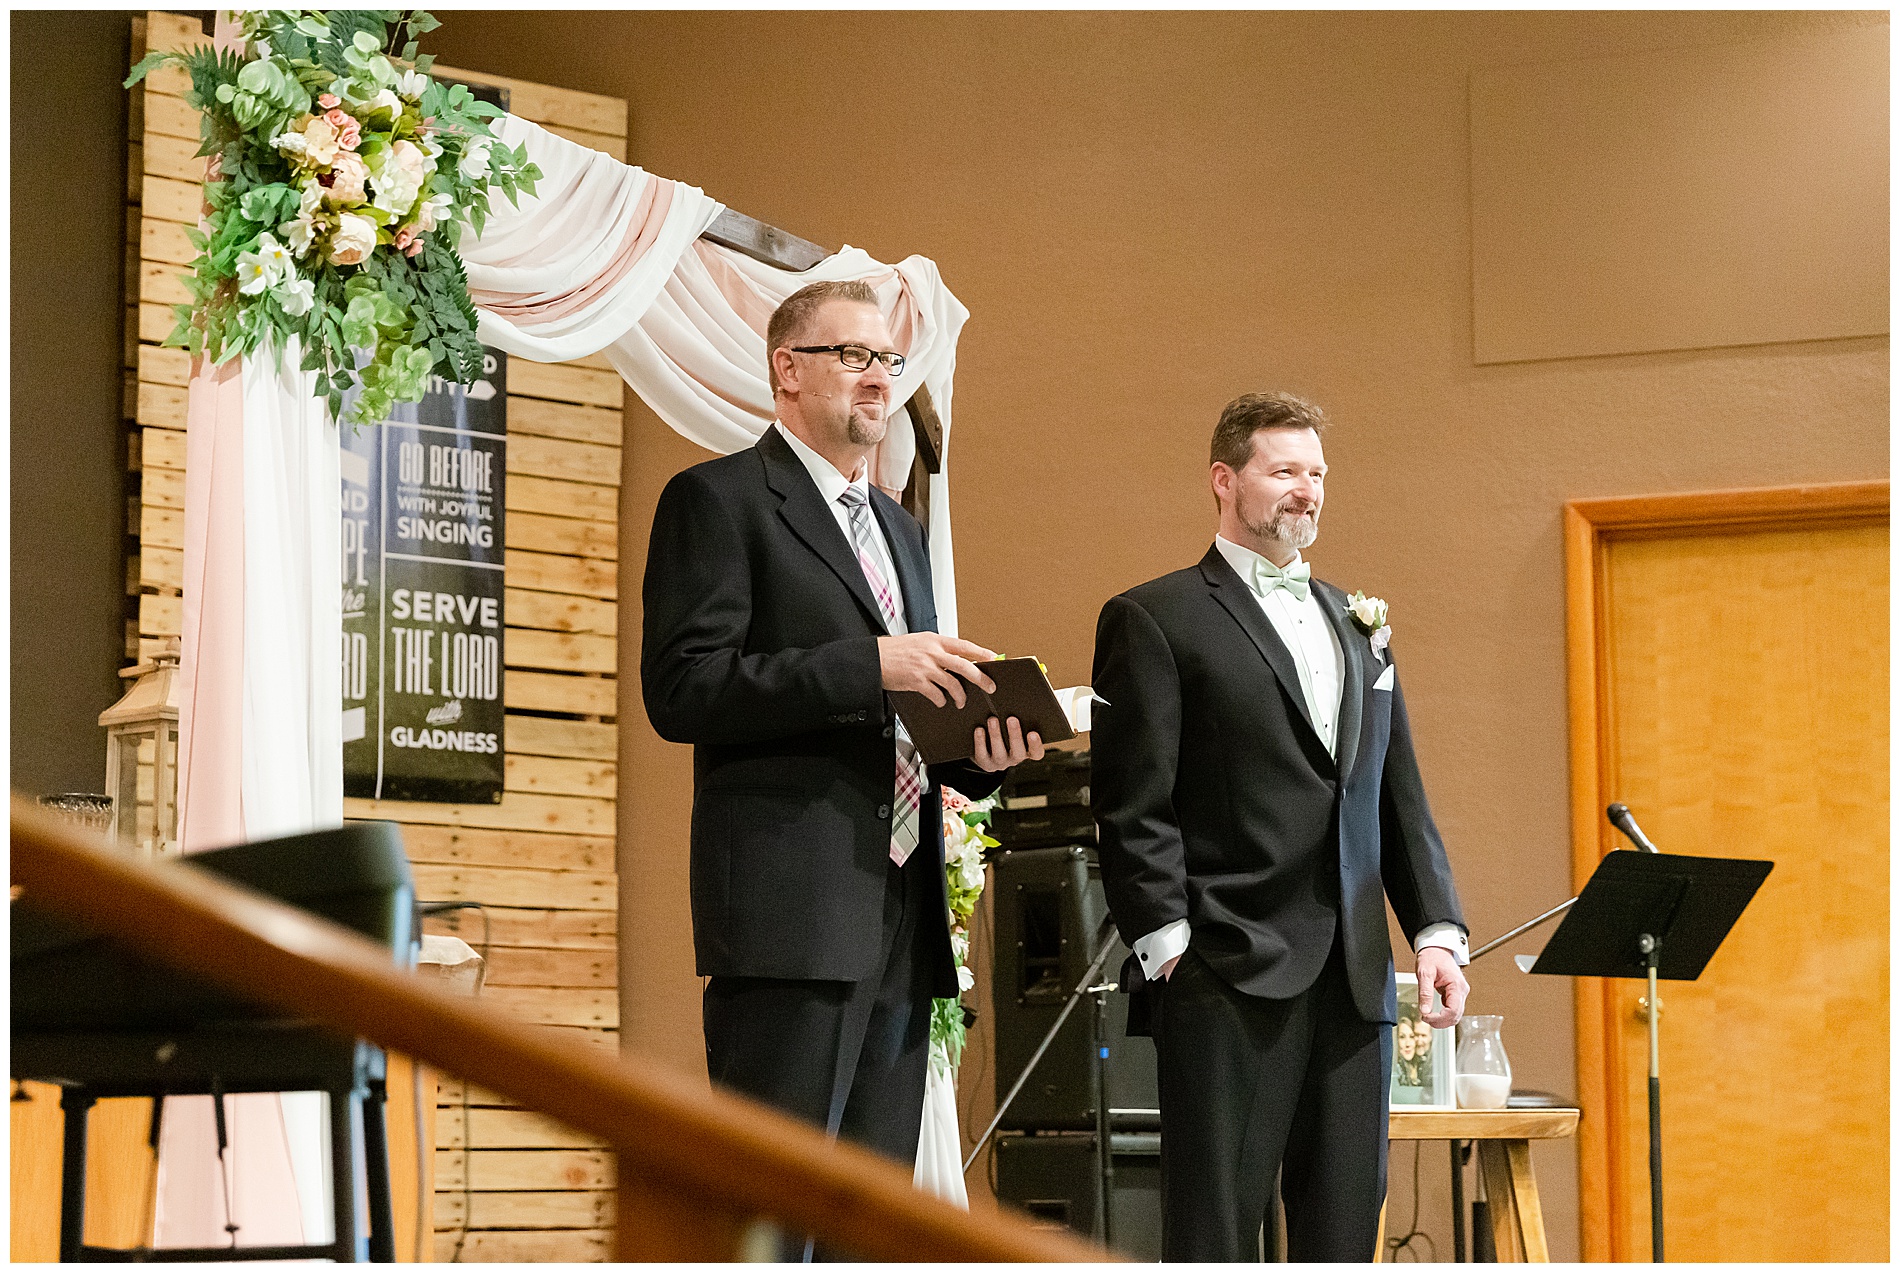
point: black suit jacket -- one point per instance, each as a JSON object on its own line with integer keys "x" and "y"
{"x": 1218, "y": 804}
{"x": 760, "y": 649}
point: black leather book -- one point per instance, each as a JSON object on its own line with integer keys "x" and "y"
{"x": 948, "y": 733}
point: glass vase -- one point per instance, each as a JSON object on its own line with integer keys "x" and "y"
{"x": 1484, "y": 1071}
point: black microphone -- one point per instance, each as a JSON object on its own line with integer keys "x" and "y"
{"x": 1620, "y": 819}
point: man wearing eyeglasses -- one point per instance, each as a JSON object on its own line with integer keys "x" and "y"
{"x": 785, "y": 596}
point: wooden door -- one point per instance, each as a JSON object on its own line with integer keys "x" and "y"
{"x": 1740, "y": 661}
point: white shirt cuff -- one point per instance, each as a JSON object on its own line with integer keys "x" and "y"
{"x": 1157, "y": 948}
{"x": 1445, "y": 937}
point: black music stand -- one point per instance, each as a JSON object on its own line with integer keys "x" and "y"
{"x": 1654, "y": 915}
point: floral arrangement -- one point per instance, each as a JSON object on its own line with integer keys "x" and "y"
{"x": 341, "y": 181}
{"x": 964, "y": 841}
{"x": 1370, "y": 614}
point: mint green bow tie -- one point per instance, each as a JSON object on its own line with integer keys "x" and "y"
{"x": 1267, "y": 577}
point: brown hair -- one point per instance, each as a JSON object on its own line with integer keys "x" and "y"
{"x": 1252, "y": 412}
{"x": 793, "y": 316}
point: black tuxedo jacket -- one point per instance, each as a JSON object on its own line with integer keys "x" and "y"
{"x": 1217, "y": 802}
{"x": 760, "y": 649}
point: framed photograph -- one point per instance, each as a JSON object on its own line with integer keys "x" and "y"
{"x": 1424, "y": 1060}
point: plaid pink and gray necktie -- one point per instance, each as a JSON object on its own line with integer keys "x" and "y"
{"x": 907, "y": 806}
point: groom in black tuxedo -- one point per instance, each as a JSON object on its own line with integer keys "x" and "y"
{"x": 785, "y": 596}
{"x": 1258, "y": 803}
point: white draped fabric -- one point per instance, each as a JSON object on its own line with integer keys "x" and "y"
{"x": 939, "y": 1144}
{"x": 603, "y": 257}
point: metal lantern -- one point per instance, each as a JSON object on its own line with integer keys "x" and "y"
{"x": 142, "y": 756}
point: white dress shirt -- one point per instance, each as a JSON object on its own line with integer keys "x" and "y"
{"x": 1303, "y": 628}
{"x": 831, "y": 484}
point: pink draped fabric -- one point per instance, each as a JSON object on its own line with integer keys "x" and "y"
{"x": 643, "y": 229}
{"x": 211, "y": 713}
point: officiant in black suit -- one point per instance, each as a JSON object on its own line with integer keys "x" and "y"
{"x": 1258, "y": 803}
{"x": 784, "y": 597}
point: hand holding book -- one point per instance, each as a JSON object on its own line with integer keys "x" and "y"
{"x": 1004, "y": 699}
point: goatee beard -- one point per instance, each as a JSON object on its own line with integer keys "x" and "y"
{"x": 863, "y": 431}
{"x": 1297, "y": 530}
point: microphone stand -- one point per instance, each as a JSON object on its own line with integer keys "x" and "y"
{"x": 1651, "y": 948}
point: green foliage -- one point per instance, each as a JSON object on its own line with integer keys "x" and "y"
{"x": 964, "y": 878}
{"x": 353, "y": 259}
{"x": 947, "y": 1030}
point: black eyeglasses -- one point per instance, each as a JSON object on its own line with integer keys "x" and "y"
{"x": 856, "y": 357}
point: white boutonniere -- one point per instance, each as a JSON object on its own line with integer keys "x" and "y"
{"x": 1369, "y": 614}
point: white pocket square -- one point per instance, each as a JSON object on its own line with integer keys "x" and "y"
{"x": 1385, "y": 678}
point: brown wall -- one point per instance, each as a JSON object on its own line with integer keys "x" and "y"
{"x": 1147, "y": 214}
{"x": 67, "y": 440}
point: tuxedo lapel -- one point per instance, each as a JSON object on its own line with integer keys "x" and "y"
{"x": 1238, "y": 600}
{"x": 1352, "y": 694}
{"x": 913, "y": 568}
{"x": 803, "y": 509}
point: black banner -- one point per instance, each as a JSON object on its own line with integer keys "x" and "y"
{"x": 423, "y": 532}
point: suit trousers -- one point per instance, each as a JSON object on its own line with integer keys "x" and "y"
{"x": 1251, "y": 1086}
{"x": 846, "y": 1056}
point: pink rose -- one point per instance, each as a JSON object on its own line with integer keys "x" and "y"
{"x": 329, "y": 101}
{"x": 351, "y": 135}
{"x": 404, "y": 237}
{"x": 954, "y": 801}
{"x": 415, "y": 249}
{"x": 348, "y": 173}
{"x": 337, "y": 118}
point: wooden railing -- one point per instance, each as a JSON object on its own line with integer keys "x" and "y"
{"x": 697, "y": 1168}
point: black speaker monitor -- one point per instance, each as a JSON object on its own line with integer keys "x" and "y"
{"x": 1049, "y": 909}
{"x": 1052, "y": 1176}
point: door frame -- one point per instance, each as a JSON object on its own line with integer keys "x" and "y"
{"x": 1590, "y": 525}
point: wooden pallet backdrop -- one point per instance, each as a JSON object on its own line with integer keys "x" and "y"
{"x": 542, "y": 861}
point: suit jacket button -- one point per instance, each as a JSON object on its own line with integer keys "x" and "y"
{"x": 863, "y": 715}
{"x": 883, "y": 811}
{"x": 890, "y": 731}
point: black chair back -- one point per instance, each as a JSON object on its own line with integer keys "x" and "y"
{"x": 66, "y": 977}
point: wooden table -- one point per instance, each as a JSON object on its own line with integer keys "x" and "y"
{"x": 1503, "y": 1139}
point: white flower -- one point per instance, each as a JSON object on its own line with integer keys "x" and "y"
{"x": 1370, "y": 614}
{"x": 301, "y": 233}
{"x": 960, "y": 946}
{"x": 253, "y": 274}
{"x": 1370, "y": 611}
{"x": 354, "y": 240}
{"x": 970, "y": 871}
{"x": 274, "y": 256}
{"x": 430, "y": 146}
{"x": 966, "y": 980}
{"x": 260, "y": 49}
{"x": 263, "y": 268}
{"x": 384, "y": 100}
{"x": 412, "y": 84}
{"x": 396, "y": 191}
{"x": 475, "y": 158}
{"x": 311, "y": 200}
{"x": 292, "y": 144}
{"x": 297, "y": 296}
{"x": 433, "y": 211}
